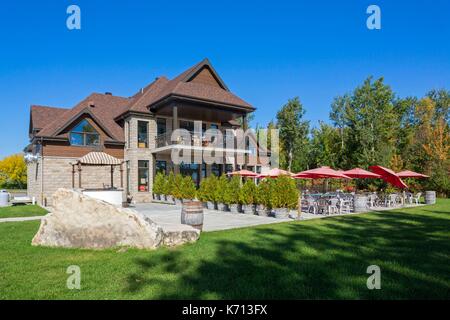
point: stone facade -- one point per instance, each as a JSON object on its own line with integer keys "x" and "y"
{"x": 133, "y": 154}
{"x": 52, "y": 173}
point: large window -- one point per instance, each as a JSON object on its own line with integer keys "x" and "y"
{"x": 143, "y": 175}
{"x": 142, "y": 134}
{"x": 192, "y": 170}
{"x": 161, "y": 167}
{"x": 84, "y": 134}
{"x": 216, "y": 169}
{"x": 161, "y": 126}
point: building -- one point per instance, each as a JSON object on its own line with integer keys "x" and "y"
{"x": 138, "y": 131}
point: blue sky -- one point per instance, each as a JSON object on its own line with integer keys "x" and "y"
{"x": 266, "y": 52}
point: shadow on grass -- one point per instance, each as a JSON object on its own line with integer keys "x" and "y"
{"x": 321, "y": 259}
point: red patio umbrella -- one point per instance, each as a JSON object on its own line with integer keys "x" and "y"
{"x": 389, "y": 176}
{"x": 275, "y": 173}
{"x": 242, "y": 173}
{"x": 359, "y": 173}
{"x": 411, "y": 174}
{"x": 321, "y": 173}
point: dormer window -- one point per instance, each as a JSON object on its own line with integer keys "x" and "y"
{"x": 84, "y": 134}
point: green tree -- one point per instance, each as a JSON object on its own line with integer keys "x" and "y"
{"x": 293, "y": 135}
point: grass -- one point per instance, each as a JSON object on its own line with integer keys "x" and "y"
{"x": 21, "y": 211}
{"x": 315, "y": 259}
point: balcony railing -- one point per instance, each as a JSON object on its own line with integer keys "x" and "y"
{"x": 194, "y": 139}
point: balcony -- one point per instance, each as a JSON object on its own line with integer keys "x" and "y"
{"x": 194, "y": 140}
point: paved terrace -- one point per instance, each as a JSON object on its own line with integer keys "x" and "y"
{"x": 168, "y": 215}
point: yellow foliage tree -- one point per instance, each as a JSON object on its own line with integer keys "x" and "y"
{"x": 13, "y": 171}
{"x": 438, "y": 147}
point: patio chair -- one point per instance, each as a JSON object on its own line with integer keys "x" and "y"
{"x": 310, "y": 205}
{"x": 416, "y": 198}
{"x": 333, "y": 205}
{"x": 323, "y": 206}
{"x": 345, "y": 205}
{"x": 372, "y": 200}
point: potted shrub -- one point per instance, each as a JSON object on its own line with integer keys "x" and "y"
{"x": 202, "y": 192}
{"x": 170, "y": 183}
{"x": 219, "y": 191}
{"x": 263, "y": 191}
{"x": 247, "y": 197}
{"x": 177, "y": 187}
{"x": 232, "y": 194}
{"x": 158, "y": 186}
{"x": 210, "y": 192}
{"x": 284, "y": 196}
{"x": 188, "y": 190}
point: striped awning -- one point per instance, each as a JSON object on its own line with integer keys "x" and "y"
{"x": 99, "y": 158}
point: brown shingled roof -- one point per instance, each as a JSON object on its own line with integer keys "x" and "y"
{"x": 180, "y": 85}
{"x": 106, "y": 108}
{"x": 42, "y": 115}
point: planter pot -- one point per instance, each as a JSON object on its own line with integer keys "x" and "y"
{"x": 205, "y": 205}
{"x": 186, "y": 200}
{"x": 178, "y": 202}
{"x": 235, "y": 208}
{"x": 262, "y": 211}
{"x": 222, "y": 207}
{"x": 248, "y": 209}
{"x": 281, "y": 213}
{"x": 164, "y": 197}
{"x": 211, "y": 205}
{"x": 157, "y": 196}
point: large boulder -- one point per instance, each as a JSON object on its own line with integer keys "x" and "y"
{"x": 79, "y": 221}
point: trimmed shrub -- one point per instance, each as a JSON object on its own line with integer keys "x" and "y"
{"x": 220, "y": 189}
{"x": 158, "y": 185}
{"x": 284, "y": 193}
{"x": 231, "y": 194}
{"x": 177, "y": 187}
{"x": 263, "y": 193}
{"x": 247, "y": 194}
{"x": 170, "y": 184}
{"x": 188, "y": 190}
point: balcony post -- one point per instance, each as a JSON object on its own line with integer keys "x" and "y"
{"x": 175, "y": 117}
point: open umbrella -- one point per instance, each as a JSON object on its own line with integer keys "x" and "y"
{"x": 275, "y": 173}
{"x": 243, "y": 173}
{"x": 389, "y": 176}
{"x": 411, "y": 174}
{"x": 359, "y": 173}
{"x": 321, "y": 173}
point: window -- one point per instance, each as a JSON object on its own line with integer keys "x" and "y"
{"x": 216, "y": 169}
{"x": 142, "y": 134}
{"x": 84, "y": 134}
{"x": 251, "y": 168}
{"x": 161, "y": 167}
{"x": 203, "y": 170}
{"x": 188, "y": 125}
{"x": 143, "y": 175}
{"x": 190, "y": 169}
{"x": 161, "y": 126}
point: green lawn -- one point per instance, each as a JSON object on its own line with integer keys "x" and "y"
{"x": 21, "y": 211}
{"x": 324, "y": 259}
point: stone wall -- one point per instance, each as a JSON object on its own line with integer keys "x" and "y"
{"x": 34, "y": 180}
{"x": 57, "y": 173}
{"x": 133, "y": 154}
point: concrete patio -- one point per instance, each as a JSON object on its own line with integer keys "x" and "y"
{"x": 169, "y": 216}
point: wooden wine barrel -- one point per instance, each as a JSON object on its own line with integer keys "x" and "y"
{"x": 430, "y": 197}
{"x": 192, "y": 214}
{"x": 360, "y": 203}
